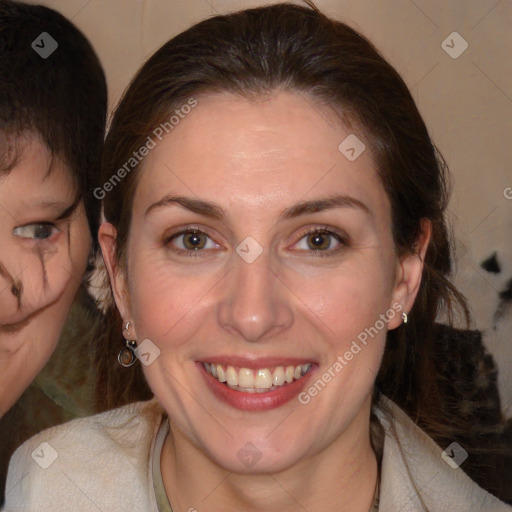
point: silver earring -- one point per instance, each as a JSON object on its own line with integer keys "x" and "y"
{"x": 127, "y": 356}
{"x": 404, "y": 317}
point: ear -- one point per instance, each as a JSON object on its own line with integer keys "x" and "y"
{"x": 409, "y": 272}
{"x": 107, "y": 235}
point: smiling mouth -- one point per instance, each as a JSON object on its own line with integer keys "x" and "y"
{"x": 259, "y": 380}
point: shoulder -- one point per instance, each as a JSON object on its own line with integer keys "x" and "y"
{"x": 79, "y": 462}
{"x": 418, "y": 475}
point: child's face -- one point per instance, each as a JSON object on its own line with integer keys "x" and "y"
{"x": 44, "y": 246}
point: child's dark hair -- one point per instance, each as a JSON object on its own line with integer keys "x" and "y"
{"x": 61, "y": 98}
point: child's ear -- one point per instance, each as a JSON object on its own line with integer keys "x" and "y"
{"x": 409, "y": 272}
{"x": 107, "y": 238}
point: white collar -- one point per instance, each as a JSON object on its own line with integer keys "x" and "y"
{"x": 415, "y": 477}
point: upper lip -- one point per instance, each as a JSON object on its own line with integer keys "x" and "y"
{"x": 256, "y": 362}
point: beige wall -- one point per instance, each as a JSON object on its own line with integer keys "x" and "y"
{"x": 466, "y": 102}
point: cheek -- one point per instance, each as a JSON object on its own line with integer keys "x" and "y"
{"x": 164, "y": 305}
{"x": 65, "y": 262}
{"x": 345, "y": 300}
{"x": 43, "y": 273}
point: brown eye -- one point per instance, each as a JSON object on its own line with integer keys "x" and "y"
{"x": 191, "y": 240}
{"x": 319, "y": 241}
{"x": 194, "y": 241}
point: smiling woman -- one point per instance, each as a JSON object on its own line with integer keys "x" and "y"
{"x": 285, "y": 240}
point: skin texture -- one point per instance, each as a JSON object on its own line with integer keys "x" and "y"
{"x": 41, "y": 266}
{"x": 255, "y": 159}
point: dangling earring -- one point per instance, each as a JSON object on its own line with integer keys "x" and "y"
{"x": 127, "y": 356}
{"x": 404, "y": 317}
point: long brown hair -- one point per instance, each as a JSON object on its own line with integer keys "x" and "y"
{"x": 294, "y": 48}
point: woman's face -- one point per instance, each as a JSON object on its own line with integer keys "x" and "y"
{"x": 286, "y": 259}
{"x": 44, "y": 245}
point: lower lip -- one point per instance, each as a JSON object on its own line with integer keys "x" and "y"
{"x": 255, "y": 401}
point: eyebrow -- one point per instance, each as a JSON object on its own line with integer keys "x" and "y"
{"x": 213, "y": 210}
{"x": 49, "y": 205}
{"x": 63, "y": 208}
{"x": 198, "y": 206}
{"x": 328, "y": 203}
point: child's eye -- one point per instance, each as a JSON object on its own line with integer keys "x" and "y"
{"x": 37, "y": 231}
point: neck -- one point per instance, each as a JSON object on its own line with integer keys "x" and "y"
{"x": 341, "y": 477}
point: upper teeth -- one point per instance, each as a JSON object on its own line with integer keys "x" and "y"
{"x": 262, "y": 378}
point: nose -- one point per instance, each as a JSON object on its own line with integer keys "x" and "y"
{"x": 255, "y": 304}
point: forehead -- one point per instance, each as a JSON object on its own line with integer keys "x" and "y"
{"x": 32, "y": 170}
{"x": 259, "y": 155}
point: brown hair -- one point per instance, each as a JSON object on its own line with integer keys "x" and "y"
{"x": 298, "y": 49}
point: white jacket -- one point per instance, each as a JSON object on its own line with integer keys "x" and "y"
{"x": 105, "y": 462}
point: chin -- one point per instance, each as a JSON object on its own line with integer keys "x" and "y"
{"x": 251, "y": 460}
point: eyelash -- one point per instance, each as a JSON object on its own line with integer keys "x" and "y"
{"x": 187, "y": 231}
{"x": 325, "y": 230}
